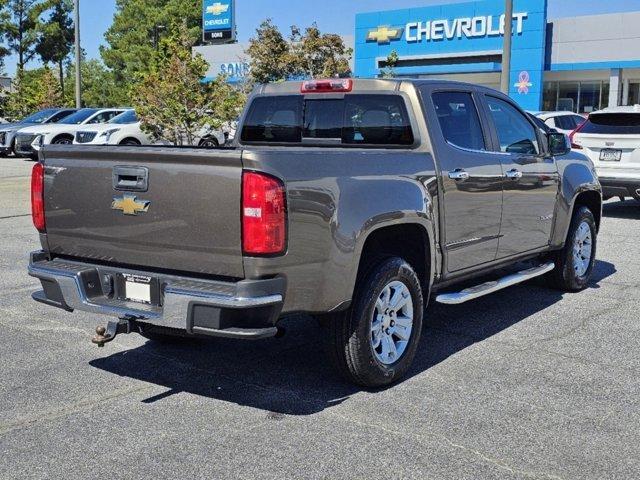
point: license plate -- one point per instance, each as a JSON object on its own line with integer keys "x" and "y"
{"x": 610, "y": 155}
{"x": 137, "y": 288}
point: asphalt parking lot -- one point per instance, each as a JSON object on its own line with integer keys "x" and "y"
{"x": 527, "y": 383}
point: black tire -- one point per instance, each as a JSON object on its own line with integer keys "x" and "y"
{"x": 564, "y": 276}
{"x": 349, "y": 333}
{"x": 163, "y": 334}
{"x": 130, "y": 142}
{"x": 63, "y": 140}
{"x": 209, "y": 142}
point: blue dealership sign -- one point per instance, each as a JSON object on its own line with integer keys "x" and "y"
{"x": 457, "y": 38}
{"x": 218, "y": 21}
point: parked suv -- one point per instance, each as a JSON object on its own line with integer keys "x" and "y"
{"x": 565, "y": 122}
{"x": 355, "y": 201}
{"x": 43, "y": 117}
{"x": 30, "y": 139}
{"x": 611, "y": 138}
{"x": 123, "y": 129}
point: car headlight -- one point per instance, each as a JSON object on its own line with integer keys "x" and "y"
{"x": 107, "y": 133}
{"x": 38, "y": 142}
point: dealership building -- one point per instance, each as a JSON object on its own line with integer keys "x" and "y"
{"x": 580, "y": 63}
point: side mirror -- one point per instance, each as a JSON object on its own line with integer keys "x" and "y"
{"x": 559, "y": 144}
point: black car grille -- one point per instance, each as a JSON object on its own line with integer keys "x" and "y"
{"x": 23, "y": 143}
{"x": 85, "y": 137}
{"x": 3, "y": 138}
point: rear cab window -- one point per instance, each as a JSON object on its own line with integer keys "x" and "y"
{"x": 370, "y": 120}
{"x": 612, "y": 124}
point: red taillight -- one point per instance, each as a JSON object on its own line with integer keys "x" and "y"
{"x": 37, "y": 196}
{"x": 572, "y": 134}
{"x": 327, "y": 86}
{"x": 264, "y": 215}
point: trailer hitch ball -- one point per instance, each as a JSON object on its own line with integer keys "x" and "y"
{"x": 108, "y": 333}
{"x": 101, "y": 337}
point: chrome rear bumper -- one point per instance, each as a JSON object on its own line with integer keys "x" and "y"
{"x": 244, "y": 309}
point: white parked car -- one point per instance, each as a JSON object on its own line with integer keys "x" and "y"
{"x": 30, "y": 139}
{"x": 563, "y": 122}
{"x": 611, "y": 139}
{"x": 209, "y": 138}
{"x": 121, "y": 130}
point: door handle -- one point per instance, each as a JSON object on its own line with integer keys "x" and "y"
{"x": 458, "y": 174}
{"x": 513, "y": 174}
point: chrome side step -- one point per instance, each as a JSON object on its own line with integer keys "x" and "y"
{"x": 489, "y": 287}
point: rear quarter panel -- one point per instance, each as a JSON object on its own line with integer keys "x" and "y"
{"x": 336, "y": 199}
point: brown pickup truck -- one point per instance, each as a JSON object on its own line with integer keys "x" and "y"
{"x": 355, "y": 201}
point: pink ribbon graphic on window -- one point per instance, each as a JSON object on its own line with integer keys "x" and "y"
{"x": 523, "y": 83}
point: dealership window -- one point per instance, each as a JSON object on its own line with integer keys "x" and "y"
{"x": 579, "y": 97}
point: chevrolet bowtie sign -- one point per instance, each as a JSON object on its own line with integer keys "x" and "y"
{"x": 218, "y": 8}
{"x": 384, "y": 34}
{"x": 468, "y": 27}
{"x": 218, "y": 21}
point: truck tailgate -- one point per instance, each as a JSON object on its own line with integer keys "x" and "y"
{"x": 186, "y": 217}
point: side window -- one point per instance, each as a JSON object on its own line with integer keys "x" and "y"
{"x": 515, "y": 133}
{"x": 103, "y": 117}
{"x": 459, "y": 119}
{"x": 59, "y": 116}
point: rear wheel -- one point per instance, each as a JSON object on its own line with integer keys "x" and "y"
{"x": 575, "y": 262}
{"x": 374, "y": 342}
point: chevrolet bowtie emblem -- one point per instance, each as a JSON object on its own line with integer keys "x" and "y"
{"x": 384, "y": 34}
{"x": 129, "y": 205}
{"x": 217, "y": 8}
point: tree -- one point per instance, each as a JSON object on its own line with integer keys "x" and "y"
{"x": 269, "y": 54}
{"x": 172, "y": 100}
{"x": 33, "y": 90}
{"x": 56, "y": 35}
{"x": 319, "y": 54}
{"x": 389, "y": 65}
{"x": 310, "y": 54}
{"x": 99, "y": 86}
{"x": 20, "y": 27}
{"x": 137, "y": 25}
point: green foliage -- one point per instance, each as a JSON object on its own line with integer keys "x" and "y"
{"x": 20, "y": 21}
{"x": 137, "y": 27}
{"x": 269, "y": 53}
{"x": 317, "y": 54}
{"x": 99, "y": 86}
{"x": 33, "y": 90}
{"x": 391, "y": 62}
{"x": 309, "y": 54}
{"x": 171, "y": 99}
{"x": 56, "y": 35}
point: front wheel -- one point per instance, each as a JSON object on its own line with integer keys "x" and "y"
{"x": 575, "y": 262}
{"x": 63, "y": 141}
{"x": 209, "y": 143}
{"x": 374, "y": 342}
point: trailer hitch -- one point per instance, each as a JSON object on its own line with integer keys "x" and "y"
{"x": 107, "y": 334}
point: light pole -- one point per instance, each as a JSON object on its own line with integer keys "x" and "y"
{"x": 76, "y": 8}
{"x": 505, "y": 77}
